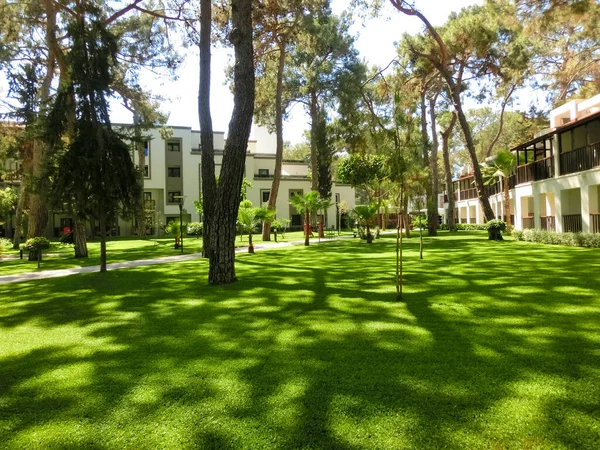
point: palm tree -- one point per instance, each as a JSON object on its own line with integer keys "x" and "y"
{"x": 305, "y": 204}
{"x": 502, "y": 166}
{"x": 324, "y": 204}
{"x": 249, "y": 217}
{"x": 365, "y": 215}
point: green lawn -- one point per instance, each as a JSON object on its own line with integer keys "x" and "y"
{"x": 496, "y": 345}
{"x": 60, "y": 256}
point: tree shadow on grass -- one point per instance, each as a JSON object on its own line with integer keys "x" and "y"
{"x": 307, "y": 350}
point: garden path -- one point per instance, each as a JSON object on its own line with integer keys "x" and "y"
{"x": 29, "y": 276}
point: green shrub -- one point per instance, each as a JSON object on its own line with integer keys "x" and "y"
{"x": 195, "y": 228}
{"x": 419, "y": 222}
{"x": 36, "y": 246}
{"x": 37, "y": 243}
{"x": 280, "y": 225}
{"x": 4, "y": 244}
{"x": 173, "y": 228}
{"x": 496, "y": 224}
{"x": 471, "y": 227}
{"x": 590, "y": 240}
{"x": 495, "y": 227}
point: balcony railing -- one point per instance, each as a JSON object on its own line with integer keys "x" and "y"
{"x": 580, "y": 159}
{"x": 595, "y": 223}
{"x": 467, "y": 194}
{"x": 537, "y": 170}
{"x": 572, "y": 223}
{"x": 512, "y": 181}
{"x": 527, "y": 223}
{"x": 548, "y": 223}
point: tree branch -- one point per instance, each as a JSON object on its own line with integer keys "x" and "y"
{"x": 504, "y": 102}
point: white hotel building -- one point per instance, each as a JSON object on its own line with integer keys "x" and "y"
{"x": 556, "y": 185}
{"x": 172, "y": 170}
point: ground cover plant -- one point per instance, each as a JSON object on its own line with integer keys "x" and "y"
{"x": 495, "y": 346}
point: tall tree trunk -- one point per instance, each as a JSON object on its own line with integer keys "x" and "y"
{"x": 314, "y": 158}
{"x": 19, "y": 215}
{"x": 484, "y": 200}
{"x": 140, "y": 211}
{"x": 222, "y": 251}
{"x": 266, "y": 231}
{"x": 314, "y": 123}
{"x": 399, "y": 249}
{"x": 79, "y": 237}
{"x": 405, "y": 217}
{"x": 307, "y": 228}
{"x": 448, "y": 169}
{"x": 38, "y": 212}
{"x": 102, "y": 224}
{"x": 430, "y": 204}
{"x": 506, "y": 202}
{"x": 432, "y": 213}
{"x": 440, "y": 61}
{"x": 209, "y": 185}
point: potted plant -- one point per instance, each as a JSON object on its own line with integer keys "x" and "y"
{"x": 249, "y": 217}
{"x": 35, "y": 246}
{"x": 495, "y": 228}
{"x": 365, "y": 215}
{"x": 173, "y": 228}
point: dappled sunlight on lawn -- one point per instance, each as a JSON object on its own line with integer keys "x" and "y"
{"x": 310, "y": 349}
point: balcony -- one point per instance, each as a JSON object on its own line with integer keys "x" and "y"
{"x": 548, "y": 223}
{"x": 572, "y": 223}
{"x": 595, "y": 223}
{"x": 527, "y": 223}
{"x": 580, "y": 159}
{"x": 536, "y": 170}
{"x": 467, "y": 194}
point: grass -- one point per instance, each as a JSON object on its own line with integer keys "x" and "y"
{"x": 496, "y": 345}
{"x": 60, "y": 256}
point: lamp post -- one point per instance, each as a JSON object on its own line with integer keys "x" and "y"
{"x": 180, "y": 197}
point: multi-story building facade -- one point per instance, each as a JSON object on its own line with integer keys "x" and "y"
{"x": 173, "y": 173}
{"x": 556, "y": 185}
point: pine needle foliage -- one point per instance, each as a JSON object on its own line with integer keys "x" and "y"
{"x": 91, "y": 169}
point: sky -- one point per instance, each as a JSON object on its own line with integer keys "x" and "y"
{"x": 375, "y": 43}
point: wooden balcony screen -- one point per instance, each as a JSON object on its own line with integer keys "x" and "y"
{"x": 595, "y": 223}
{"x": 548, "y": 223}
{"x": 528, "y": 223}
{"x": 583, "y": 158}
{"x": 537, "y": 170}
{"x": 572, "y": 223}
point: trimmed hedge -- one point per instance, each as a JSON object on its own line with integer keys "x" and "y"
{"x": 195, "y": 228}
{"x": 465, "y": 227}
{"x": 590, "y": 240}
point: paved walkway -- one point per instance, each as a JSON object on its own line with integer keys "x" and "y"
{"x": 29, "y": 276}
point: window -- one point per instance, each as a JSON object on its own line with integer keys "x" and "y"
{"x": 174, "y": 172}
{"x": 263, "y": 172}
{"x": 173, "y": 146}
{"x": 171, "y": 196}
{"x": 146, "y": 171}
{"x": 264, "y": 195}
